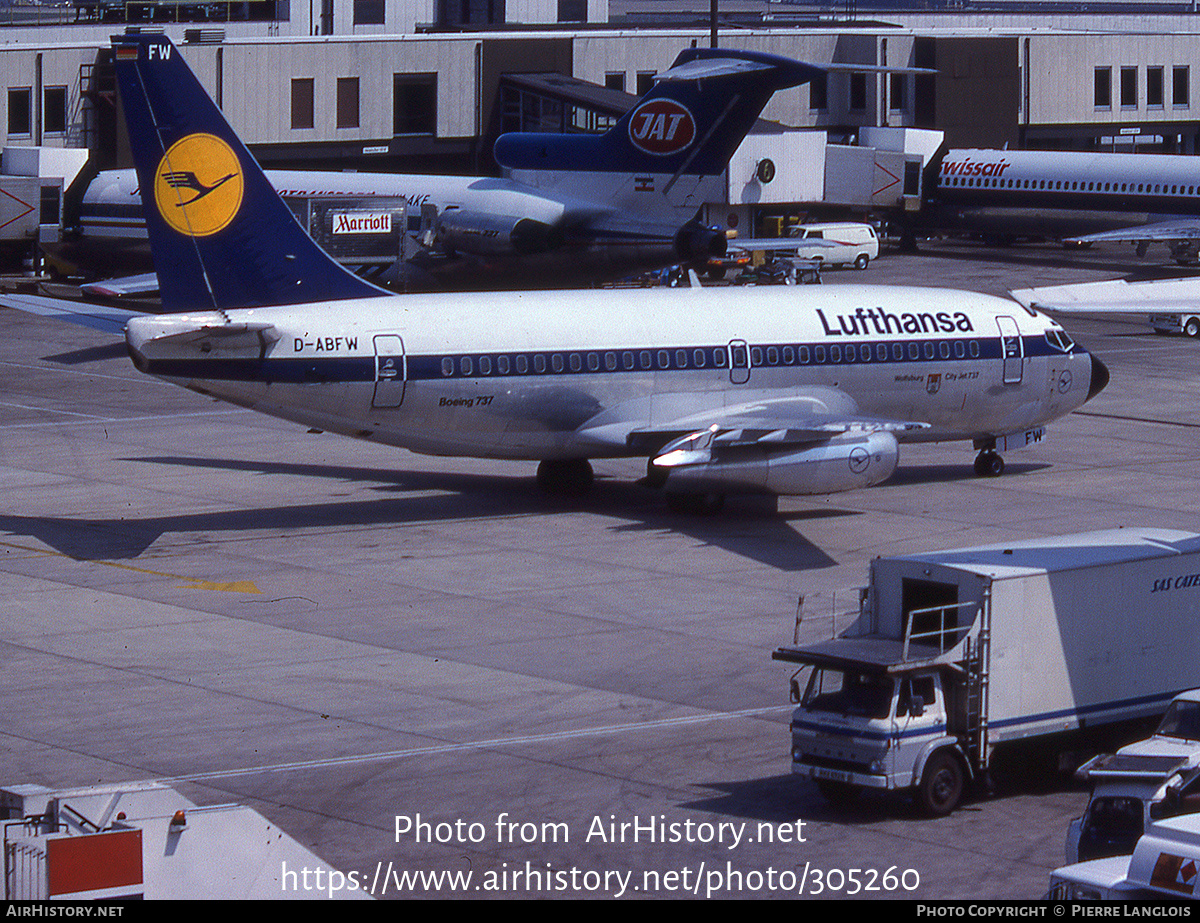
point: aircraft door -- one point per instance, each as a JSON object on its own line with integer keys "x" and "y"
{"x": 1012, "y": 350}
{"x": 390, "y": 371}
{"x": 739, "y": 362}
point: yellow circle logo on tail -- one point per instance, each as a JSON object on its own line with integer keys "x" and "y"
{"x": 198, "y": 186}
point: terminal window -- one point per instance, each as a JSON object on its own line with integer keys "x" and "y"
{"x": 20, "y": 111}
{"x": 1103, "y": 87}
{"x": 54, "y": 110}
{"x": 414, "y": 104}
{"x": 347, "y": 102}
{"x": 302, "y": 103}
{"x": 572, "y": 10}
{"x": 858, "y": 91}
{"x": 1179, "y": 87}
{"x": 1129, "y": 88}
{"x": 1154, "y": 87}
{"x": 818, "y": 93}
{"x": 368, "y": 12}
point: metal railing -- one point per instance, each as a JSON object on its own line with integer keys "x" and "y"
{"x": 946, "y": 635}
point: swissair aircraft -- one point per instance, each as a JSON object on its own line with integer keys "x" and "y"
{"x": 572, "y": 206}
{"x": 780, "y": 391}
{"x": 1081, "y": 197}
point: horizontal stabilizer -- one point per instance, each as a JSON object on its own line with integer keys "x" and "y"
{"x": 98, "y": 317}
{"x": 225, "y": 336}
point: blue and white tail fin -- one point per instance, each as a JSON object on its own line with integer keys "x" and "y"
{"x": 220, "y": 235}
{"x": 684, "y": 130}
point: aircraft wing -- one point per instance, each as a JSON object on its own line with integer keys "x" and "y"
{"x": 1176, "y": 229}
{"x": 798, "y": 419}
{"x": 1114, "y": 297}
{"x": 98, "y": 317}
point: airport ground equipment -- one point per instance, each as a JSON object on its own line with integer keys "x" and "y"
{"x": 1163, "y": 865}
{"x": 958, "y": 655}
{"x": 1147, "y": 780}
{"x": 145, "y": 841}
{"x": 1176, "y": 323}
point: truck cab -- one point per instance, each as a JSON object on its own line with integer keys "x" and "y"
{"x": 857, "y": 728}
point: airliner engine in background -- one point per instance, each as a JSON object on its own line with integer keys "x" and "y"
{"x": 724, "y": 390}
{"x": 1070, "y": 195}
{"x": 578, "y": 208}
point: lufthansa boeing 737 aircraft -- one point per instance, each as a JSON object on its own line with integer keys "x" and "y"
{"x": 572, "y": 207}
{"x": 782, "y": 391}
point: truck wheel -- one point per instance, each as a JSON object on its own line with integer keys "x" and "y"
{"x": 861, "y": 261}
{"x": 1192, "y": 327}
{"x": 941, "y": 785}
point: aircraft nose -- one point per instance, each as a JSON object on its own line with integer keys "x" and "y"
{"x": 1099, "y": 378}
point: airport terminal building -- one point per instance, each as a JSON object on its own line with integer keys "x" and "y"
{"x": 428, "y": 85}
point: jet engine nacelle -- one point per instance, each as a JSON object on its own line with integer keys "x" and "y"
{"x": 696, "y": 243}
{"x": 478, "y": 232}
{"x": 845, "y": 463}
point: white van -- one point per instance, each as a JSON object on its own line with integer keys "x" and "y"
{"x": 836, "y": 244}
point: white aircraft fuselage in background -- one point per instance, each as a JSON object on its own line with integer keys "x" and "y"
{"x": 1084, "y": 196}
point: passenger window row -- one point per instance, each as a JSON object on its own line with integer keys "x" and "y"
{"x": 1071, "y": 185}
{"x": 705, "y": 357}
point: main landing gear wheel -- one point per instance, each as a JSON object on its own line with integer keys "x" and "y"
{"x": 989, "y": 464}
{"x": 570, "y": 477}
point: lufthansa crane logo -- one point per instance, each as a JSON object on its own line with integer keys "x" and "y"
{"x": 198, "y": 186}
{"x": 661, "y": 127}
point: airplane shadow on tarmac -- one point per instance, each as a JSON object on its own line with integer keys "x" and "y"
{"x": 748, "y": 526}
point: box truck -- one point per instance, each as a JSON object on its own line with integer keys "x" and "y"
{"x": 956, "y": 655}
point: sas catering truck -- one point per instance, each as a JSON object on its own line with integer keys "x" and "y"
{"x": 956, "y": 655}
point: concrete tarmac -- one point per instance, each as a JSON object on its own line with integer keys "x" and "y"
{"x": 424, "y": 667}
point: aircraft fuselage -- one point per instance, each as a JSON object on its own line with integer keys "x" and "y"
{"x": 579, "y": 374}
{"x": 1060, "y": 193}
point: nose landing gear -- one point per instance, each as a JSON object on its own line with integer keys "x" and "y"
{"x": 988, "y": 463}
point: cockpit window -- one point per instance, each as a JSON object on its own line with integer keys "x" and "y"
{"x": 1059, "y": 340}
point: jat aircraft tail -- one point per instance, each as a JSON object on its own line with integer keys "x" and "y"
{"x": 688, "y": 125}
{"x": 220, "y": 235}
